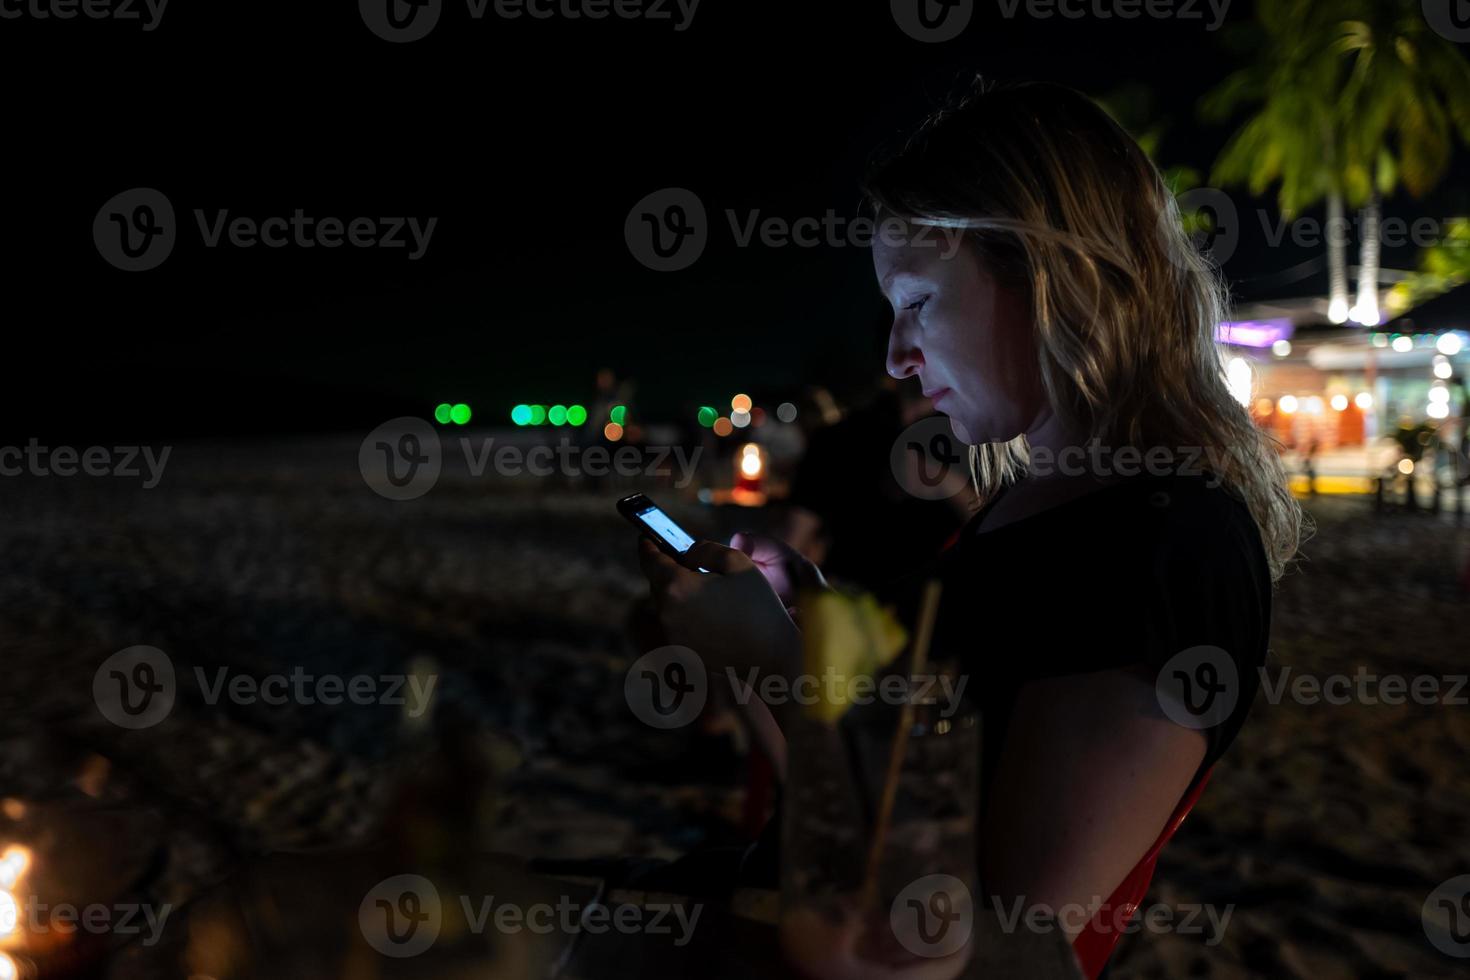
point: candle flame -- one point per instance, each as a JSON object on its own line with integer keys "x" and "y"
{"x": 13, "y": 863}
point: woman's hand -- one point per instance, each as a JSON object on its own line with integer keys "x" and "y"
{"x": 787, "y": 569}
{"x": 731, "y": 617}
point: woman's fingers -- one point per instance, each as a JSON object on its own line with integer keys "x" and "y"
{"x": 786, "y": 568}
{"x": 717, "y": 558}
{"x": 658, "y": 568}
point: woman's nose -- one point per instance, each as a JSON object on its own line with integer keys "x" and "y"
{"x": 904, "y": 358}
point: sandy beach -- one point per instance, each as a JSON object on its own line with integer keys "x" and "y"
{"x": 1322, "y": 833}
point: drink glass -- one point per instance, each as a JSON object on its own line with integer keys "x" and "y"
{"x": 912, "y": 916}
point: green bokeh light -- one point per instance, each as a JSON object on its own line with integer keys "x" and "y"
{"x": 557, "y": 415}
{"x": 538, "y": 414}
{"x": 576, "y": 415}
{"x": 618, "y": 414}
{"x": 521, "y": 415}
{"x": 441, "y": 413}
{"x": 460, "y": 414}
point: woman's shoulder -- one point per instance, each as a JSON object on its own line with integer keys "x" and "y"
{"x": 1142, "y": 517}
{"x": 1163, "y": 562}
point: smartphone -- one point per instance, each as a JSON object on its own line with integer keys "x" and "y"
{"x": 671, "y": 539}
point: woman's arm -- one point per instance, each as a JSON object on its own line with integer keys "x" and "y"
{"x": 1091, "y": 771}
{"x": 736, "y": 622}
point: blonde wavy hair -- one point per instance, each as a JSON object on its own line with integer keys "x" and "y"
{"x": 1060, "y": 202}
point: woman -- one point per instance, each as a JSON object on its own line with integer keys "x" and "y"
{"x": 1133, "y": 514}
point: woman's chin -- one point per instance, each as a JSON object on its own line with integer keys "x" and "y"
{"x": 961, "y": 432}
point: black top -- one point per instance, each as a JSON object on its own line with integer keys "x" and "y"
{"x": 1152, "y": 571}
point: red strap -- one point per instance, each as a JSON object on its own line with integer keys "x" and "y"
{"x": 1094, "y": 945}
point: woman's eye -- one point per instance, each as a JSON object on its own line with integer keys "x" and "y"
{"x": 917, "y": 304}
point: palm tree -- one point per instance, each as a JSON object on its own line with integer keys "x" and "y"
{"x": 1405, "y": 100}
{"x": 1292, "y": 136}
{"x": 1442, "y": 266}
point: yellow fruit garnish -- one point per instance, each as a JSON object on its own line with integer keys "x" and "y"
{"x": 844, "y": 637}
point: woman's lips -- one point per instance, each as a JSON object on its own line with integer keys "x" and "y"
{"x": 935, "y": 395}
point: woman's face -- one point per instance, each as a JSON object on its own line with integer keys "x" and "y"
{"x": 966, "y": 337}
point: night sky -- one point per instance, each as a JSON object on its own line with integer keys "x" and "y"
{"x": 529, "y": 141}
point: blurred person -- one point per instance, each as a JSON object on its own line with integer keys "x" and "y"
{"x": 1309, "y": 464}
{"x": 608, "y": 393}
{"x": 1077, "y": 312}
{"x": 848, "y": 513}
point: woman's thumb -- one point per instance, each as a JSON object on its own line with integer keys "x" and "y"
{"x": 716, "y": 557}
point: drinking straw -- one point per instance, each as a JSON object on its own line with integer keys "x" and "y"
{"x": 927, "y": 612}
